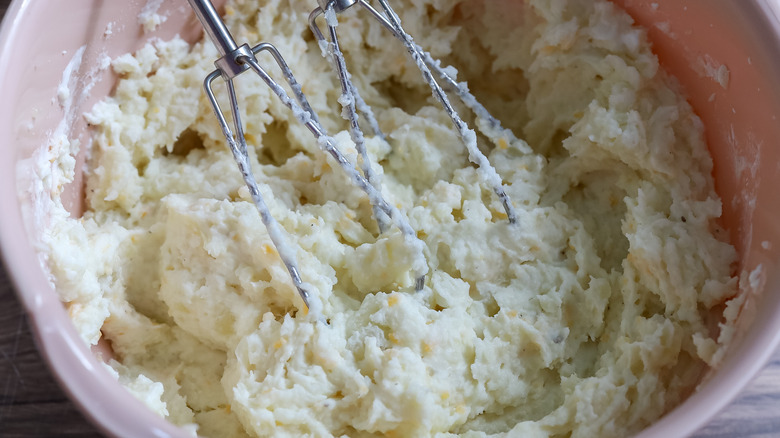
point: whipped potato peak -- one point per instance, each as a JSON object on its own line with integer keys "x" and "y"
{"x": 592, "y": 316}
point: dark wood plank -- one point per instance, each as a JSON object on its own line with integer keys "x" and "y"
{"x": 756, "y": 413}
{"x": 31, "y": 402}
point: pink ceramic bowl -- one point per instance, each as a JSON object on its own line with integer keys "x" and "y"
{"x": 692, "y": 38}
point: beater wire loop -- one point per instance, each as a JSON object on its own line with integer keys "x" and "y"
{"x": 467, "y": 135}
{"x": 238, "y": 147}
{"x": 488, "y": 125}
{"x": 486, "y": 122}
{"x": 328, "y": 144}
{"x": 303, "y": 111}
{"x": 349, "y": 101}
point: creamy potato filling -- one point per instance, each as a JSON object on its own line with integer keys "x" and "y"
{"x": 592, "y": 316}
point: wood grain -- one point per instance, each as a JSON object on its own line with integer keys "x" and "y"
{"x": 33, "y": 405}
{"x": 31, "y": 402}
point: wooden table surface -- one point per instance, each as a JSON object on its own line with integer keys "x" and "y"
{"x": 33, "y": 405}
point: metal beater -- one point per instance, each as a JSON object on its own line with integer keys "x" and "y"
{"x": 235, "y": 59}
{"x": 351, "y": 100}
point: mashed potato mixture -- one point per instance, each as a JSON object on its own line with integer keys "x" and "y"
{"x": 591, "y": 317}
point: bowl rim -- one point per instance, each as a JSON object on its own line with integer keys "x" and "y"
{"x": 118, "y": 413}
{"x": 77, "y": 371}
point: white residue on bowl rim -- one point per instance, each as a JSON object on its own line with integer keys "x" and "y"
{"x": 149, "y": 17}
{"x": 707, "y": 66}
{"x": 43, "y": 176}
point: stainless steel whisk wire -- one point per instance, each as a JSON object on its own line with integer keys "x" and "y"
{"x": 235, "y": 59}
{"x": 489, "y": 125}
